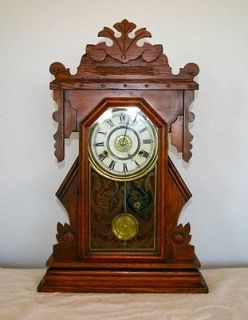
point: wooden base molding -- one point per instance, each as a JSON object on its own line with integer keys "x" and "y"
{"x": 129, "y": 281}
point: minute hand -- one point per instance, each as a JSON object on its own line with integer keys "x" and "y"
{"x": 126, "y": 128}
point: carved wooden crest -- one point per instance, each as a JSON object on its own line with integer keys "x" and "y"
{"x": 124, "y": 60}
{"x": 124, "y": 48}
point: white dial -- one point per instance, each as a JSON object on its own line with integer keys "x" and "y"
{"x": 123, "y": 143}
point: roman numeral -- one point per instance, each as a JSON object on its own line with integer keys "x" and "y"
{"x": 122, "y": 117}
{"x": 143, "y": 129}
{"x": 101, "y": 132}
{"x": 143, "y": 153}
{"x": 99, "y": 144}
{"x": 147, "y": 141}
{"x": 110, "y": 122}
{"x": 134, "y": 120}
{"x": 103, "y": 155}
{"x": 137, "y": 164}
{"x": 125, "y": 169}
{"x": 112, "y": 165}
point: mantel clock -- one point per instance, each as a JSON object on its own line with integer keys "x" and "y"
{"x": 123, "y": 194}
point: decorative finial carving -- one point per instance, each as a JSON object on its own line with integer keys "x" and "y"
{"x": 182, "y": 234}
{"x": 64, "y": 233}
{"x": 124, "y": 48}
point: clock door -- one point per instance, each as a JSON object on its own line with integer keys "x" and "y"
{"x": 122, "y": 155}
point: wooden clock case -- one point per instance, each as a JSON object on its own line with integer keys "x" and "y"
{"x": 124, "y": 74}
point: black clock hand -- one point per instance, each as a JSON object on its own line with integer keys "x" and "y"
{"x": 130, "y": 156}
{"x": 126, "y": 129}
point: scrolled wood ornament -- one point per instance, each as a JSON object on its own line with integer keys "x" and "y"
{"x": 123, "y": 194}
{"x": 124, "y": 48}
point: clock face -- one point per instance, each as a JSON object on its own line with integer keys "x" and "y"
{"x": 123, "y": 143}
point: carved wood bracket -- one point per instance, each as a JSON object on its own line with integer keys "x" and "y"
{"x": 181, "y": 137}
